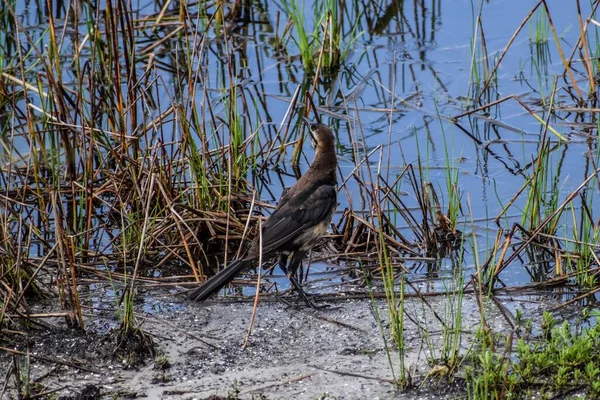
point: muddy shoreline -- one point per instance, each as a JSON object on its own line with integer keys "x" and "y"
{"x": 291, "y": 353}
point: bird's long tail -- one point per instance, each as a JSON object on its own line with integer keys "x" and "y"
{"x": 217, "y": 282}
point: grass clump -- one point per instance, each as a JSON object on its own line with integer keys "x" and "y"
{"x": 565, "y": 359}
{"x": 539, "y": 27}
{"x": 327, "y": 45}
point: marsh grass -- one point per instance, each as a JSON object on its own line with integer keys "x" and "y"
{"x": 543, "y": 191}
{"x": 539, "y": 27}
{"x": 104, "y": 183}
{"x": 545, "y": 231}
{"x": 482, "y": 79}
{"x": 327, "y": 45}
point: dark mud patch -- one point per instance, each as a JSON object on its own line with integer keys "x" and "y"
{"x": 132, "y": 345}
{"x": 337, "y": 353}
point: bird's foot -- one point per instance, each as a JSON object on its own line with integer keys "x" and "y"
{"x": 306, "y": 299}
{"x": 305, "y": 296}
{"x": 310, "y": 303}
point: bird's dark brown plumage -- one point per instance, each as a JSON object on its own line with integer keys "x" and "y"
{"x": 299, "y": 221}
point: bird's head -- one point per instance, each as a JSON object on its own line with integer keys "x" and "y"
{"x": 320, "y": 134}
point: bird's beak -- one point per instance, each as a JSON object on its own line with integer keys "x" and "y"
{"x": 308, "y": 123}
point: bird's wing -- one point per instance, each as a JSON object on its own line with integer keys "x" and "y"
{"x": 297, "y": 213}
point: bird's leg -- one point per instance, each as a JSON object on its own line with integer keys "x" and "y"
{"x": 291, "y": 270}
{"x": 305, "y": 296}
{"x": 283, "y": 264}
{"x": 283, "y": 260}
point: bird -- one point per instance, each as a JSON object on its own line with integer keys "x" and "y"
{"x": 300, "y": 219}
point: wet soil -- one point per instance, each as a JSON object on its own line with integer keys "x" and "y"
{"x": 335, "y": 353}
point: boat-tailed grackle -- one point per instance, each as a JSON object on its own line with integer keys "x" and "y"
{"x": 299, "y": 221}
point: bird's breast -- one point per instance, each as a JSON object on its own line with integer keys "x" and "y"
{"x": 311, "y": 236}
